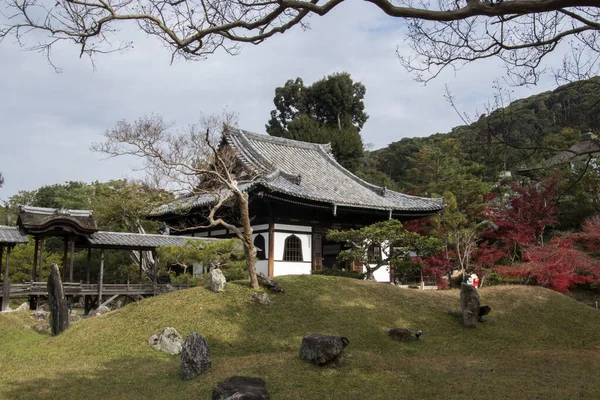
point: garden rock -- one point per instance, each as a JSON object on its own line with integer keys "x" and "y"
{"x": 469, "y": 301}
{"x": 169, "y": 341}
{"x": 74, "y": 318}
{"x": 41, "y": 327}
{"x": 99, "y": 311}
{"x": 241, "y": 388}
{"x": 23, "y": 307}
{"x": 59, "y": 310}
{"x": 322, "y": 349}
{"x": 269, "y": 283}
{"x": 39, "y": 315}
{"x": 217, "y": 280}
{"x": 261, "y": 298}
{"x": 195, "y": 356}
{"x": 404, "y": 334}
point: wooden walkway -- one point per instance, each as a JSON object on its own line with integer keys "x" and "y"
{"x": 82, "y": 289}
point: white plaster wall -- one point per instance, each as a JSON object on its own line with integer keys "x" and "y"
{"x": 262, "y": 266}
{"x": 383, "y": 273}
{"x": 291, "y": 268}
{"x": 266, "y": 236}
{"x": 198, "y": 269}
{"x": 306, "y": 245}
{"x": 295, "y": 228}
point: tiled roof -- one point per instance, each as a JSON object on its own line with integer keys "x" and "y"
{"x": 37, "y": 219}
{"x": 307, "y": 171}
{"x": 140, "y": 241}
{"x": 11, "y": 235}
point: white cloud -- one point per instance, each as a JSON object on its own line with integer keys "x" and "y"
{"x": 48, "y": 120}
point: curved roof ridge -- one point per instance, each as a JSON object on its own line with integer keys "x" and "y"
{"x": 284, "y": 141}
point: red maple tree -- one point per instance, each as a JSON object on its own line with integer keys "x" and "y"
{"x": 559, "y": 265}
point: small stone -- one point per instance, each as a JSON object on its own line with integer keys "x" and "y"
{"x": 402, "y": 335}
{"x": 99, "y": 311}
{"x": 195, "y": 356}
{"x": 469, "y": 301}
{"x": 261, "y": 298}
{"x": 217, "y": 280}
{"x": 269, "y": 283}
{"x": 39, "y": 315}
{"x": 169, "y": 341}
{"x": 41, "y": 327}
{"x": 23, "y": 307}
{"x": 74, "y": 318}
{"x": 322, "y": 349}
{"x": 241, "y": 388}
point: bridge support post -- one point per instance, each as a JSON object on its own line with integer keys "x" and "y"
{"x": 71, "y": 258}
{"x": 6, "y": 285}
{"x": 35, "y": 260}
{"x": 41, "y": 258}
{"x": 100, "y": 277}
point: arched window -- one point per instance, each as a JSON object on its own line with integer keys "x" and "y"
{"x": 292, "y": 249}
{"x": 259, "y": 244}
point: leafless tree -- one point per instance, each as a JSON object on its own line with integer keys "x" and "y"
{"x": 191, "y": 163}
{"x": 442, "y": 33}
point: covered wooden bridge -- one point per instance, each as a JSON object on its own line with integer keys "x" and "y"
{"x": 78, "y": 229}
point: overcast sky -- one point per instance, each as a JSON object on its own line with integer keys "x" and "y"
{"x": 49, "y": 120}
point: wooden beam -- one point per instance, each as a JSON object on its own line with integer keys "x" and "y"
{"x": 154, "y": 270}
{"x": 141, "y": 263}
{"x": 65, "y": 259}
{"x": 42, "y": 245}
{"x": 35, "y": 259}
{"x": 6, "y": 286}
{"x": 271, "y": 270}
{"x": 71, "y": 258}
{"x": 89, "y": 266}
{"x": 101, "y": 276}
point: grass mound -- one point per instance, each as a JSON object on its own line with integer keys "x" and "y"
{"x": 536, "y": 344}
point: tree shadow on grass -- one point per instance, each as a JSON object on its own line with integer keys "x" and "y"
{"x": 123, "y": 378}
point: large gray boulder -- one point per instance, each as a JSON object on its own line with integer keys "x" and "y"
{"x": 217, "y": 280}
{"x": 322, "y": 349}
{"x": 241, "y": 388}
{"x": 57, "y": 301}
{"x": 195, "y": 356}
{"x": 169, "y": 341}
{"x": 39, "y": 315}
{"x": 23, "y": 307}
{"x": 469, "y": 301}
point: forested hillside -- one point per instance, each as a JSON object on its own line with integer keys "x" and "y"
{"x": 473, "y": 160}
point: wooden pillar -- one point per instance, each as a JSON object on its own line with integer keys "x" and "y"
{"x": 271, "y": 270}
{"x": 141, "y": 263}
{"x": 35, "y": 260}
{"x": 89, "y": 266}
{"x": 6, "y": 285}
{"x": 41, "y": 258}
{"x": 154, "y": 270}
{"x": 65, "y": 259}
{"x": 71, "y": 258}
{"x": 100, "y": 277}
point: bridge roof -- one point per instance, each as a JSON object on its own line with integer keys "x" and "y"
{"x": 10, "y": 235}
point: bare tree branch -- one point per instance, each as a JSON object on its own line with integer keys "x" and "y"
{"x": 441, "y": 34}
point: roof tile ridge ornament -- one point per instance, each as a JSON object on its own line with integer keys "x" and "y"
{"x": 55, "y": 211}
{"x": 281, "y": 140}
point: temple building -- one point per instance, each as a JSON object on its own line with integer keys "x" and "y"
{"x": 299, "y": 194}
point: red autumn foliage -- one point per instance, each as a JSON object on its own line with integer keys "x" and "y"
{"x": 419, "y": 225}
{"x": 558, "y": 265}
{"x": 486, "y": 255}
{"x": 437, "y": 266}
{"x": 589, "y": 236}
{"x": 524, "y": 219}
